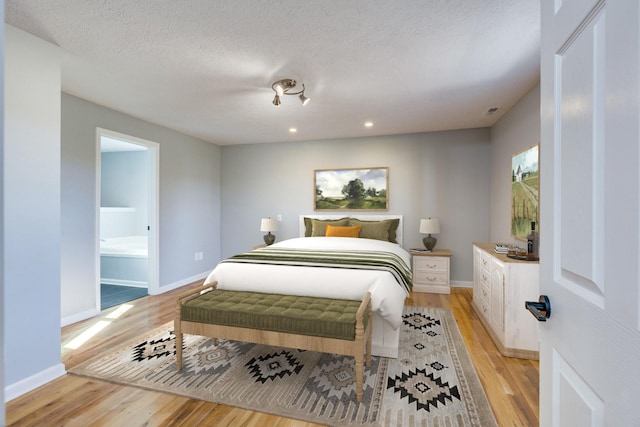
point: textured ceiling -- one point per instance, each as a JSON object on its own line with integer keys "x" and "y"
{"x": 205, "y": 68}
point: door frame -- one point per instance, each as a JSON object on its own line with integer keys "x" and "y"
{"x": 153, "y": 207}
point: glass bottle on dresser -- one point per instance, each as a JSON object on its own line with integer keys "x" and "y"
{"x": 532, "y": 243}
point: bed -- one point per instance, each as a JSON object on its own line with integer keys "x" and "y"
{"x": 314, "y": 265}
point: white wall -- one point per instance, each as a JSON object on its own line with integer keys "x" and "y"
{"x": 124, "y": 182}
{"x": 31, "y": 213}
{"x": 189, "y": 201}
{"x": 516, "y": 131}
{"x": 439, "y": 174}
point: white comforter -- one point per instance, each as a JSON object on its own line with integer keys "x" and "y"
{"x": 387, "y": 296}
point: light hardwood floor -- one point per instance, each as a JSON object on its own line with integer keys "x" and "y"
{"x": 511, "y": 384}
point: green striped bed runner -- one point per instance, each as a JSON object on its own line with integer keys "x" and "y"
{"x": 351, "y": 259}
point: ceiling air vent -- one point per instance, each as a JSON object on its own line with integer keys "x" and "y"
{"x": 492, "y": 110}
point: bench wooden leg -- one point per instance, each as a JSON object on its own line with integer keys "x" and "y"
{"x": 177, "y": 329}
{"x": 368, "y": 345}
{"x": 369, "y": 337}
{"x": 178, "y": 350}
{"x": 359, "y": 376}
{"x": 359, "y": 347}
{"x": 362, "y": 343}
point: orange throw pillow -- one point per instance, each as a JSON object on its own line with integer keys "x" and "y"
{"x": 336, "y": 231}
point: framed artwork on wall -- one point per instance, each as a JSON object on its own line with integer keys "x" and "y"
{"x": 351, "y": 189}
{"x": 525, "y": 184}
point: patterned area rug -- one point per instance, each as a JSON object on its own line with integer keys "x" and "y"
{"x": 432, "y": 383}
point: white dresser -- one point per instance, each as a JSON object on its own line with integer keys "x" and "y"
{"x": 431, "y": 271}
{"x": 501, "y": 286}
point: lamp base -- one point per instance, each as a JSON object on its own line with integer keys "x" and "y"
{"x": 270, "y": 238}
{"x": 429, "y": 242}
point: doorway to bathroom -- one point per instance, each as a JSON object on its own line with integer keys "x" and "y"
{"x": 127, "y": 249}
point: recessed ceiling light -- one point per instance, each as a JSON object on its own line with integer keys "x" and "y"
{"x": 293, "y": 130}
{"x": 368, "y": 124}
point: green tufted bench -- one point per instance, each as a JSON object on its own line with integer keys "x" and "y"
{"x": 307, "y": 323}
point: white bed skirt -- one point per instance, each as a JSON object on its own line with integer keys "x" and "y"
{"x": 384, "y": 339}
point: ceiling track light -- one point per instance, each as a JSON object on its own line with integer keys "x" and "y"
{"x": 286, "y": 87}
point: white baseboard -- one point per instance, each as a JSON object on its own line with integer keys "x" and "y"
{"x": 68, "y": 320}
{"x": 26, "y": 385}
{"x": 180, "y": 283}
{"x": 461, "y": 284}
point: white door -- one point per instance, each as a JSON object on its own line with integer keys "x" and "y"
{"x": 590, "y": 213}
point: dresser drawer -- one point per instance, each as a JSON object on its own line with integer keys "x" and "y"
{"x": 485, "y": 260}
{"x": 484, "y": 277}
{"x": 484, "y": 308}
{"x": 485, "y": 292}
{"x": 431, "y": 264}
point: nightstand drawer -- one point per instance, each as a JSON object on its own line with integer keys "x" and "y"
{"x": 431, "y": 264}
{"x": 431, "y": 277}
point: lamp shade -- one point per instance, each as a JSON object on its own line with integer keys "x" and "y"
{"x": 268, "y": 224}
{"x": 430, "y": 226}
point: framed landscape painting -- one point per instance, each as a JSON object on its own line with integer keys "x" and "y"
{"x": 351, "y": 189}
{"x": 525, "y": 182}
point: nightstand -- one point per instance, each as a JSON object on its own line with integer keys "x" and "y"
{"x": 431, "y": 271}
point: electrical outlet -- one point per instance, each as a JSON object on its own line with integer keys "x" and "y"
{"x": 201, "y": 256}
{"x": 195, "y": 256}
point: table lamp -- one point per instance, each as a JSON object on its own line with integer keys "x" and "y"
{"x": 429, "y": 226}
{"x": 269, "y": 225}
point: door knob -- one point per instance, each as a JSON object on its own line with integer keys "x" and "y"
{"x": 541, "y": 310}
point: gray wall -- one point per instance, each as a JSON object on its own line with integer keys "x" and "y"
{"x": 440, "y": 174}
{"x": 517, "y": 130}
{"x": 124, "y": 182}
{"x": 189, "y": 201}
{"x": 31, "y": 181}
